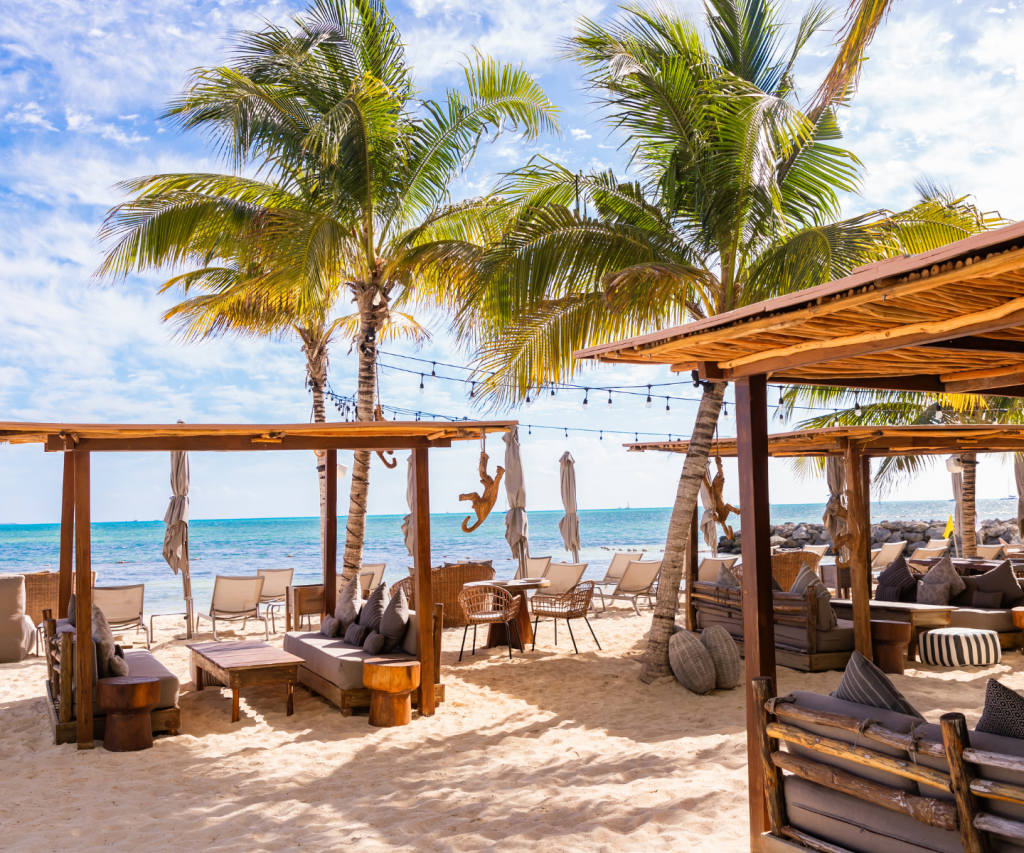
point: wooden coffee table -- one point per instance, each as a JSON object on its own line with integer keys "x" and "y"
{"x": 495, "y": 634}
{"x": 248, "y": 663}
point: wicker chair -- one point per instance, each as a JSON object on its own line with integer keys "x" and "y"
{"x": 786, "y": 565}
{"x": 447, "y": 583}
{"x": 42, "y": 591}
{"x": 489, "y": 605}
{"x": 570, "y": 605}
{"x": 409, "y": 585}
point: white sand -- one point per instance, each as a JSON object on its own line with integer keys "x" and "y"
{"x": 552, "y": 751}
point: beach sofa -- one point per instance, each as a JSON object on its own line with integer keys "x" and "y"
{"x": 850, "y": 778}
{"x": 60, "y": 639}
{"x": 334, "y": 669}
{"x": 17, "y": 630}
{"x": 798, "y": 642}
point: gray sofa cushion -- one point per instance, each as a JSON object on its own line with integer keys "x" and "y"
{"x": 330, "y": 626}
{"x": 1000, "y": 621}
{"x": 374, "y": 643}
{"x": 411, "y": 642}
{"x": 346, "y": 611}
{"x": 1002, "y": 579}
{"x": 865, "y": 684}
{"x": 333, "y": 660}
{"x": 726, "y": 578}
{"x": 143, "y": 662}
{"x": 356, "y": 634}
{"x": 1004, "y": 711}
{"x": 395, "y": 621}
{"x": 944, "y": 572}
{"x": 839, "y": 639}
{"x": 373, "y": 609}
{"x": 988, "y": 600}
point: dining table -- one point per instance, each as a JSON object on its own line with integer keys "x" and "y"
{"x": 517, "y": 587}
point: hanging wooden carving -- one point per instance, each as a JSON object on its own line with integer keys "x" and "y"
{"x": 721, "y": 508}
{"x": 844, "y": 543}
{"x": 378, "y": 415}
{"x": 482, "y": 504}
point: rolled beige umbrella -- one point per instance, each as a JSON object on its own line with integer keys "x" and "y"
{"x": 1018, "y": 475}
{"x": 408, "y": 528}
{"x": 835, "y": 477}
{"x": 958, "y": 512}
{"x": 517, "y": 530}
{"x": 707, "y": 520}
{"x": 569, "y": 526}
{"x": 176, "y": 533}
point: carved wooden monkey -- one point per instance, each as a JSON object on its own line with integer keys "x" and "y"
{"x": 482, "y": 505}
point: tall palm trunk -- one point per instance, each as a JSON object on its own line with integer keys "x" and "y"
{"x": 655, "y": 659}
{"x": 315, "y": 348}
{"x": 967, "y": 535}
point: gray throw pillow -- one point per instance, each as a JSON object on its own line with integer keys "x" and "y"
{"x": 373, "y": 609}
{"x": 350, "y": 599}
{"x": 1004, "y": 712}
{"x": 727, "y": 578}
{"x": 865, "y": 684}
{"x": 884, "y": 592}
{"x": 394, "y": 622}
{"x": 896, "y": 583}
{"x": 943, "y": 572}
{"x": 374, "y": 643}
{"x": 776, "y": 586}
{"x": 725, "y": 656}
{"x": 108, "y": 664}
{"x": 933, "y": 593}
{"x": 356, "y": 634}
{"x": 330, "y": 627}
{"x": 804, "y": 578}
{"x": 691, "y": 663}
{"x": 987, "y": 600}
{"x": 1001, "y": 579}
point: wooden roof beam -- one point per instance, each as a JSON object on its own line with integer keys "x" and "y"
{"x": 223, "y": 443}
{"x": 972, "y": 343}
{"x": 919, "y": 382}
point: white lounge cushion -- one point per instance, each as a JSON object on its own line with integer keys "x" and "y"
{"x": 332, "y": 659}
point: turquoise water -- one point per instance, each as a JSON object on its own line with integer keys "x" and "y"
{"x": 130, "y": 552}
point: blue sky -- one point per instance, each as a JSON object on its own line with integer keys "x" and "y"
{"x": 81, "y": 85}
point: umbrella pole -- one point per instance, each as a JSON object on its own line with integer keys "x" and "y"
{"x": 186, "y": 579}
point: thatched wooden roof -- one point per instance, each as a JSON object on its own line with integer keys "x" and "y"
{"x": 948, "y": 320}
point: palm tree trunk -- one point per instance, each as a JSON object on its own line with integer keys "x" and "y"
{"x": 315, "y": 349}
{"x": 655, "y": 659}
{"x": 968, "y": 538}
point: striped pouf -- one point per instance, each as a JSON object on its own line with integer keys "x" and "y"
{"x": 960, "y": 647}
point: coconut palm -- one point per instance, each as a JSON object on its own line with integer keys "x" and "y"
{"x": 734, "y": 199}
{"x": 339, "y": 184}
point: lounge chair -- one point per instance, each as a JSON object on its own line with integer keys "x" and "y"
{"x": 122, "y": 606}
{"x": 371, "y": 576}
{"x": 536, "y": 566}
{"x": 234, "y": 599}
{"x": 275, "y": 588}
{"x": 637, "y": 582}
{"x": 17, "y": 630}
{"x": 882, "y": 557}
{"x": 572, "y": 604}
{"x": 927, "y": 554}
{"x": 615, "y": 569}
{"x": 989, "y": 552}
{"x": 938, "y": 543}
{"x": 816, "y": 549}
{"x": 562, "y": 577}
{"x": 710, "y": 566}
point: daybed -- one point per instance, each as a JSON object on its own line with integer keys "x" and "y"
{"x": 854, "y": 778}
{"x": 60, "y": 642}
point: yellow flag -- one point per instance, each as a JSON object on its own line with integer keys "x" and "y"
{"x": 949, "y": 529}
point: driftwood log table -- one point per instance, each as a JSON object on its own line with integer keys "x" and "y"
{"x": 248, "y": 663}
{"x": 496, "y": 635}
{"x": 127, "y": 701}
{"x": 390, "y": 682}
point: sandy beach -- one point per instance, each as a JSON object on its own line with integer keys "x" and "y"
{"x": 551, "y": 751}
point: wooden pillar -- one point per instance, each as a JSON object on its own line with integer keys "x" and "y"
{"x": 67, "y": 534}
{"x": 758, "y": 620}
{"x": 83, "y": 602}
{"x": 424, "y": 584}
{"x": 860, "y": 551}
{"x": 691, "y": 573}
{"x": 331, "y": 532}
{"x": 865, "y": 513}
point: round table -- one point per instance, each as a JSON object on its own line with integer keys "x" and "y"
{"x": 889, "y": 642}
{"x": 127, "y": 701}
{"x": 519, "y": 587}
{"x": 390, "y": 682}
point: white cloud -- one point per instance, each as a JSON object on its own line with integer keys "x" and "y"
{"x": 29, "y": 114}
{"x": 579, "y": 133}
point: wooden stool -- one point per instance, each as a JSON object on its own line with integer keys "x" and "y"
{"x": 889, "y": 642}
{"x": 127, "y": 701}
{"x": 390, "y": 683}
{"x": 1018, "y": 622}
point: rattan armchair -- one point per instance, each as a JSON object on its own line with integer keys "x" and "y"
{"x": 786, "y": 566}
{"x": 573, "y": 604}
{"x": 447, "y": 582}
{"x": 489, "y": 605}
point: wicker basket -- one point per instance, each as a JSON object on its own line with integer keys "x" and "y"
{"x": 448, "y": 582}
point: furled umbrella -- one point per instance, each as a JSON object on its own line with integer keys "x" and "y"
{"x": 958, "y": 511}
{"x": 707, "y": 520}
{"x": 517, "y": 531}
{"x": 569, "y": 526}
{"x": 176, "y": 532}
{"x": 408, "y": 528}
{"x": 835, "y": 478}
{"x": 1018, "y": 475}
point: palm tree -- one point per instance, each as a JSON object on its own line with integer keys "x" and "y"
{"x": 339, "y": 186}
{"x": 734, "y": 199}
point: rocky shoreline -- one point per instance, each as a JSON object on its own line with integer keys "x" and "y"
{"x": 915, "y": 533}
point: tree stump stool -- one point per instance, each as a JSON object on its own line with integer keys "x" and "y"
{"x": 390, "y": 683}
{"x": 1018, "y": 623}
{"x": 889, "y": 642}
{"x": 127, "y": 701}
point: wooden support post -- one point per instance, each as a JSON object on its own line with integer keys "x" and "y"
{"x": 424, "y": 588}
{"x": 961, "y": 774}
{"x": 691, "y": 574}
{"x": 758, "y": 616}
{"x": 865, "y": 514}
{"x": 331, "y": 532}
{"x": 763, "y": 691}
{"x": 860, "y": 551}
{"x": 83, "y": 602}
{"x": 67, "y": 534}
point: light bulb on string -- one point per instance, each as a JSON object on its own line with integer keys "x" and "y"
{"x": 636, "y": 437}
{"x": 433, "y": 374}
{"x": 857, "y": 410}
{"x": 609, "y": 399}
{"x": 725, "y": 411}
{"x": 601, "y": 436}
{"x": 552, "y": 391}
{"x": 529, "y": 402}
{"x": 648, "y": 396}
{"x": 472, "y": 390}
{"x": 529, "y": 430}
{"x": 566, "y": 432}
{"x": 781, "y": 401}
{"x": 586, "y": 392}
{"x": 421, "y": 386}
{"x": 667, "y": 407}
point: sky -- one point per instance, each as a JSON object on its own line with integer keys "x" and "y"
{"x": 82, "y": 85}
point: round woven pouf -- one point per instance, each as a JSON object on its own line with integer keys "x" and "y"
{"x": 960, "y": 647}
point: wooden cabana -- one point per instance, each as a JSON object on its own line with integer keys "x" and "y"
{"x": 950, "y": 320}
{"x": 79, "y": 441}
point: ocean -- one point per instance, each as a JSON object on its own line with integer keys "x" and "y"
{"x": 130, "y": 552}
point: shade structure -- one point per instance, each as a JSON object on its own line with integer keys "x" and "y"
{"x": 408, "y": 528}
{"x": 707, "y": 520}
{"x": 958, "y": 506}
{"x": 1018, "y": 476}
{"x": 176, "y": 533}
{"x": 517, "y": 530}
{"x": 835, "y": 477}
{"x": 569, "y": 526}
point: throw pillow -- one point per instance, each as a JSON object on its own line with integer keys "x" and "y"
{"x": 889, "y": 593}
{"x": 72, "y": 611}
{"x": 330, "y": 626}
{"x": 865, "y": 684}
{"x": 724, "y": 655}
{"x": 776, "y": 586}
{"x": 988, "y": 600}
{"x": 727, "y": 578}
{"x": 1004, "y": 712}
{"x": 933, "y": 593}
{"x": 373, "y": 609}
{"x": 691, "y": 663}
{"x": 374, "y": 643}
{"x": 804, "y": 578}
{"x": 943, "y": 572}
{"x": 356, "y": 634}
{"x": 346, "y": 611}
{"x": 1001, "y": 579}
{"x": 897, "y": 576}
{"x": 394, "y": 622}
{"x": 108, "y": 664}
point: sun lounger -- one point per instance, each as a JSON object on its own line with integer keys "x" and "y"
{"x": 536, "y": 566}
{"x": 275, "y": 588}
{"x": 234, "y": 599}
{"x": 710, "y": 566}
{"x": 881, "y": 557}
{"x": 637, "y": 582}
{"x": 926, "y": 554}
{"x": 122, "y": 606}
{"x": 371, "y": 576}
{"x": 562, "y": 577}
{"x": 989, "y": 552}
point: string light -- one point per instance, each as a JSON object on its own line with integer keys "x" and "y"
{"x": 421, "y": 383}
{"x": 586, "y": 392}
{"x": 566, "y": 432}
{"x": 433, "y": 373}
{"x": 725, "y": 410}
{"x": 601, "y": 436}
{"x": 667, "y": 407}
{"x": 857, "y": 410}
{"x": 648, "y": 396}
{"x": 529, "y": 402}
{"x": 472, "y": 390}
{"x": 609, "y": 399}
{"x": 552, "y": 391}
